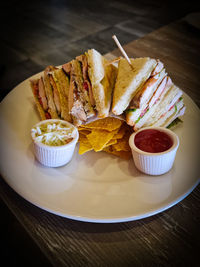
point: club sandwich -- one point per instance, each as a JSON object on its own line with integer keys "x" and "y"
{"x": 142, "y": 94}
{"x": 92, "y": 79}
{"x": 129, "y": 81}
{"x": 79, "y": 90}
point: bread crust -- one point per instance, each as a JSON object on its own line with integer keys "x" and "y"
{"x": 49, "y": 93}
{"x": 102, "y": 76}
{"x": 63, "y": 87}
{"x": 37, "y": 102}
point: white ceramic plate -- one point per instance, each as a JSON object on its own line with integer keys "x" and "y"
{"x": 94, "y": 187}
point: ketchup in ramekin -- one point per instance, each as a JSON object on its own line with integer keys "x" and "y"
{"x": 154, "y": 149}
{"x": 153, "y": 141}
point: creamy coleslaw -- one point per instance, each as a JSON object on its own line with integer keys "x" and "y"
{"x": 53, "y": 133}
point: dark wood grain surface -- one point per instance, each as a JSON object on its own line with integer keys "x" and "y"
{"x": 167, "y": 239}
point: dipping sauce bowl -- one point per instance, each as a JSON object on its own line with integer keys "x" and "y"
{"x": 154, "y": 149}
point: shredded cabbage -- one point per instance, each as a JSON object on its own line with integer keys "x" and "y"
{"x": 53, "y": 134}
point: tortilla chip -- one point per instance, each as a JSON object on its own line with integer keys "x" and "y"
{"x": 99, "y": 138}
{"x": 111, "y": 142}
{"x": 122, "y": 154}
{"x": 110, "y": 124}
{"x": 84, "y": 132}
{"x": 109, "y": 134}
{"x": 120, "y": 133}
{"x": 81, "y": 128}
{"x": 122, "y": 144}
{"x": 81, "y": 136}
{"x": 84, "y": 144}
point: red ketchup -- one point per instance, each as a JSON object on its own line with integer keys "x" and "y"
{"x": 153, "y": 141}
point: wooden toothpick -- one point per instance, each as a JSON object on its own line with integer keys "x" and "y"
{"x": 121, "y": 49}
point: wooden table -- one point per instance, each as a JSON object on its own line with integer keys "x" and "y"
{"x": 167, "y": 239}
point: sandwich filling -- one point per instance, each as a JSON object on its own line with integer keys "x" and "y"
{"x": 86, "y": 80}
{"x": 148, "y": 95}
{"x": 81, "y": 101}
{"x": 40, "y": 94}
{"x": 55, "y": 93}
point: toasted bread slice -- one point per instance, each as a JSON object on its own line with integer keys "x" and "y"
{"x": 178, "y": 114}
{"x": 50, "y": 97}
{"x": 175, "y": 111}
{"x": 162, "y": 106}
{"x": 102, "y": 76}
{"x": 168, "y": 101}
{"x": 62, "y": 83}
{"x": 130, "y": 80}
{"x": 34, "y": 84}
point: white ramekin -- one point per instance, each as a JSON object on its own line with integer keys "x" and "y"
{"x": 55, "y": 156}
{"x": 154, "y": 163}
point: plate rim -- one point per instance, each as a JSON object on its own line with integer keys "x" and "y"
{"x": 100, "y": 220}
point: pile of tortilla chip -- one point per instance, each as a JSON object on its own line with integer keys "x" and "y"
{"x": 109, "y": 134}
